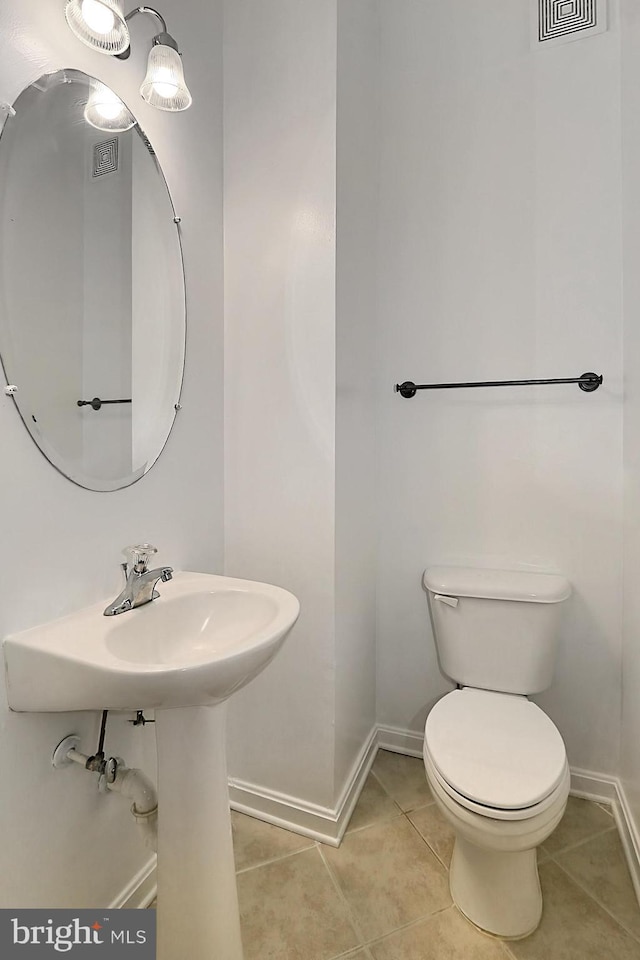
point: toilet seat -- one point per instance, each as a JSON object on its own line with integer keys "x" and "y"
{"x": 495, "y": 753}
{"x": 495, "y": 813}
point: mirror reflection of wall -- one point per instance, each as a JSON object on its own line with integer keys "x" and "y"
{"x": 92, "y": 301}
{"x": 106, "y": 329}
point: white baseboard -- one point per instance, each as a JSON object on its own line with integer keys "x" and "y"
{"x": 593, "y": 786}
{"x": 628, "y": 830}
{"x": 318, "y": 823}
{"x": 356, "y": 781}
{"x": 397, "y": 740}
{"x": 282, "y": 810}
{"x": 140, "y": 891}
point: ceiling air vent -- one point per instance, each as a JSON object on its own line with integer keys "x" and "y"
{"x": 563, "y": 20}
{"x": 105, "y": 157}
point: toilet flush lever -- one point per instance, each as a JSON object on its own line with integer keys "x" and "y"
{"x": 450, "y": 601}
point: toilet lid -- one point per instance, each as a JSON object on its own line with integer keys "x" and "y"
{"x": 496, "y": 749}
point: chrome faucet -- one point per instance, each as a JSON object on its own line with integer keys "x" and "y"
{"x": 140, "y": 581}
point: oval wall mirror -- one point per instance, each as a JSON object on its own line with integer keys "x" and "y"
{"x": 92, "y": 297}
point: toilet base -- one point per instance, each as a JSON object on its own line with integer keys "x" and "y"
{"x": 498, "y": 892}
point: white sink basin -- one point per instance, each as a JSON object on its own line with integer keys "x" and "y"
{"x": 190, "y": 649}
{"x": 201, "y": 640}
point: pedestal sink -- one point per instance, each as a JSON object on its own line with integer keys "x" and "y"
{"x": 183, "y": 655}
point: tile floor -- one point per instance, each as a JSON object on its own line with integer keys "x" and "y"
{"x": 384, "y": 895}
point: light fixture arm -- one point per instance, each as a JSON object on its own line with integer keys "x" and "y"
{"x": 151, "y": 12}
{"x": 163, "y": 37}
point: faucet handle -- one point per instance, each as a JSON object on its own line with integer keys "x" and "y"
{"x": 139, "y": 555}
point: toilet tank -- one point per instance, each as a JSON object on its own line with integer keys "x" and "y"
{"x": 496, "y": 629}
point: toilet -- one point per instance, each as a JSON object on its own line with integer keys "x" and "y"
{"x": 495, "y": 762}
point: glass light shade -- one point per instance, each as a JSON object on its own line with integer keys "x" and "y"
{"x": 106, "y": 111}
{"x": 100, "y": 24}
{"x": 164, "y": 86}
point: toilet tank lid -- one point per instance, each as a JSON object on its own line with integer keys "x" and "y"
{"x": 497, "y": 584}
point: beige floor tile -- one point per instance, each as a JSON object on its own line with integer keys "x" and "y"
{"x": 403, "y": 778}
{"x": 431, "y": 825}
{"x": 600, "y": 867}
{"x": 388, "y": 876}
{"x": 446, "y": 936}
{"x": 542, "y": 855}
{"x": 573, "y": 926}
{"x": 582, "y": 819}
{"x": 374, "y": 805}
{"x": 291, "y": 910}
{"x": 256, "y": 842}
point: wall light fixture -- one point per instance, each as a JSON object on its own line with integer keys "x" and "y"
{"x": 101, "y": 25}
{"x": 106, "y": 111}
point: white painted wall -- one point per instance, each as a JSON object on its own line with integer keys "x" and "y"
{"x": 630, "y": 754}
{"x": 300, "y": 369}
{"x": 62, "y": 843}
{"x": 489, "y": 171}
{"x": 107, "y": 314}
{"x": 356, "y": 261}
{"x": 499, "y": 257}
{"x": 279, "y": 213}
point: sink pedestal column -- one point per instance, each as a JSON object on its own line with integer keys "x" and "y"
{"x": 198, "y": 913}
